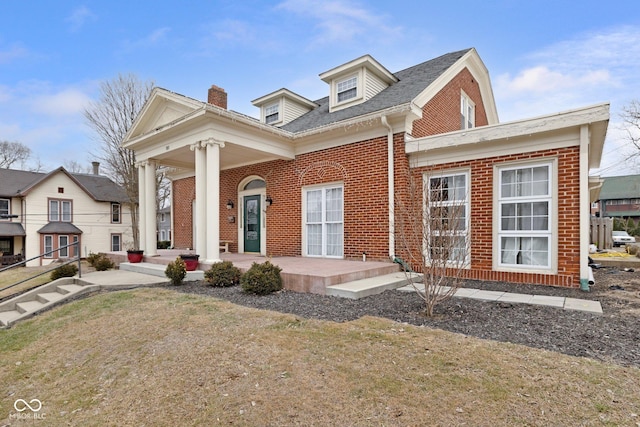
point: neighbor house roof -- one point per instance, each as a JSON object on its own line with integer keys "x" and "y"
{"x": 99, "y": 187}
{"x": 411, "y": 82}
{"x": 620, "y": 187}
{"x": 11, "y": 229}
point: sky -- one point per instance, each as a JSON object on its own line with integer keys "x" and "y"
{"x": 543, "y": 56}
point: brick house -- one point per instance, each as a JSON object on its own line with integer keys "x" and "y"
{"x": 43, "y": 212}
{"x": 324, "y": 178}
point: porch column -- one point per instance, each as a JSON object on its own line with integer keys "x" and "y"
{"x": 585, "y": 208}
{"x": 141, "y": 206}
{"x": 150, "y": 247}
{"x": 213, "y": 147}
{"x": 200, "y": 235}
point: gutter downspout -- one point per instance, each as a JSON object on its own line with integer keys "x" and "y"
{"x": 390, "y": 184}
{"x": 585, "y": 212}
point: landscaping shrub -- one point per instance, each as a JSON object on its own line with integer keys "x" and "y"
{"x": 222, "y": 275}
{"x": 164, "y": 244}
{"x": 100, "y": 262}
{"x": 176, "y": 271}
{"x": 262, "y": 279}
{"x": 67, "y": 270}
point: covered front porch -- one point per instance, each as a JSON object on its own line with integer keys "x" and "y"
{"x": 300, "y": 274}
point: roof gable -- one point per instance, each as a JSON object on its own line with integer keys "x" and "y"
{"x": 162, "y": 108}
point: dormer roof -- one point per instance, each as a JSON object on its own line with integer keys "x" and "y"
{"x": 366, "y": 61}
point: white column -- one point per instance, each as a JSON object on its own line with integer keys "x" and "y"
{"x": 141, "y": 206}
{"x": 213, "y": 199}
{"x": 200, "y": 236}
{"x": 585, "y": 208}
{"x": 151, "y": 247}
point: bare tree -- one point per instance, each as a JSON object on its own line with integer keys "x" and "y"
{"x": 74, "y": 166}
{"x": 111, "y": 117}
{"x": 631, "y": 118}
{"x": 13, "y": 152}
{"x": 432, "y": 231}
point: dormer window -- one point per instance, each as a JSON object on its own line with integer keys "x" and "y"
{"x": 271, "y": 114}
{"x": 347, "y": 89}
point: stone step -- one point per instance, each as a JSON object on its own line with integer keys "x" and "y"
{"x": 68, "y": 289}
{"x": 374, "y": 285}
{"x": 158, "y": 270}
{"x": 29, "y": 306}
{"x": 47, "y": 297}
{"x": 6, "y": 317}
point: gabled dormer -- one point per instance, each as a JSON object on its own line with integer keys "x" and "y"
{"x": 282, "y": 106}
{"x": 356, "y": 81}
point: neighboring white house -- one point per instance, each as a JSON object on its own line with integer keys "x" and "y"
{"x": 43, "y": 212}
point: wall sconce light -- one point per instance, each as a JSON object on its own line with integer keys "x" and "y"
{"x": 268, "y": 201}
{"x": 230, "y": 204}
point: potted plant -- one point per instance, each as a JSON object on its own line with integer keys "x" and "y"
{"x": 191, "y": 261}
{"x": 134, "y": 255}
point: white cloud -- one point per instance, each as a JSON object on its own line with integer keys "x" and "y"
{"x": 64, "y": 103}
{"x": 340, "y": 20}
{"x": 154, "y": 38}
{"x": 10, "y": 53}
{"x": 79, "y": 17}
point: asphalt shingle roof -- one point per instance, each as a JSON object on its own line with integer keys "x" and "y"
{"x": 101, "y": 188}
{"x": 412, "y": 81}
{"x": 620, "y": 187}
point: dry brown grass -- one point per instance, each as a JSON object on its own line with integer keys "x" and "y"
{"x": 15, "y": 275}
{"x": 156, "y": 357}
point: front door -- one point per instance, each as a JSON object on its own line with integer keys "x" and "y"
{"x": 252, "y": 223}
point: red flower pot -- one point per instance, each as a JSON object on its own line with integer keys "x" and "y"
{"x": 190, "y": 261}
{"x": 135, "y": 256}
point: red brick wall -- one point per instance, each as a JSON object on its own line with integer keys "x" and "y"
{"x": 442, "y": 113}
{"x": 183, "y": 193}
{"x": 482, "y": 217}
{"x": 362, "y": 167}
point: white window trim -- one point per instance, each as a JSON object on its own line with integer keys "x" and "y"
{"x": 278, "y": 106}
{"x": 44, "y": 246}
{"x": 8, "y": 208}
{"x": 426, "y": 182}
{"x": 466, "y": 101}
{"x": 337, "y": 105}
{"x": 113, "y": 206}
{"x": 323, "y": 186}
{"x": 552, "y": 268}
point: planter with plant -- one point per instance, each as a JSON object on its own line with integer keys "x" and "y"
{"x": 191, "y": 261}
{"x": 135, "y": 255}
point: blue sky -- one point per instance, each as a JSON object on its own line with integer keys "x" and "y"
{"x": 543, "y": 56}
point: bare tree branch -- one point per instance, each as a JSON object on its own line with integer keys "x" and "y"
{"x": 13, "y": 152}
{"x": 111, "y": 117}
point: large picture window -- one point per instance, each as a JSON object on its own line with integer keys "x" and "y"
{"x": 524, "y": 207}
{"x": 447, "y": 217}
{"x": 324, "y": 224}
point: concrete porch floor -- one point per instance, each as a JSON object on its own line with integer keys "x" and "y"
{"x": 299, "y": 274}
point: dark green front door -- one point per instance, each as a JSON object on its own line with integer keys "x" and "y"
{"x": 252, "y": 223}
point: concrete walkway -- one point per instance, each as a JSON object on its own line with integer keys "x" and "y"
{"x": 499, "y": 296}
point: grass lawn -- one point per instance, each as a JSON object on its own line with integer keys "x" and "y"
{"x": 157, "y": 357}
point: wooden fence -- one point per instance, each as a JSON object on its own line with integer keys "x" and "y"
{"x": 601, "y": 229}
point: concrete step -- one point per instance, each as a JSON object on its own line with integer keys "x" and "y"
{"x": 374, "y": 285}
{"x": 29, "y": 306}
{"x": 6, "y": 317}
{"x": 68, "y": 289}
{"x": 47, "y": 297}
{"x": 158, "y": 270}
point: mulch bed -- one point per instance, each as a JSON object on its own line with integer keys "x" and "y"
{"x": 612, "y": 336}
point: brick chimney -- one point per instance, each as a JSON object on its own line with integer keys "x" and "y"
{"x": 217, "y": 96}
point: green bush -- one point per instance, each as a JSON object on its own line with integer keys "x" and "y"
{"x": 164, "y": 244}
{"x": 100, "y": 262}
{"x": 262, "y": 279}
{"x": 67, "y": 270}
{"x": 176, "y": 271}
{"x": 222, "y": 275}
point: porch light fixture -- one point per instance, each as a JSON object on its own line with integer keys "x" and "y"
{"x": 268, "y": 201}
{"x": 230, "y": 204}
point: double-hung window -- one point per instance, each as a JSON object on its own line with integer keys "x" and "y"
{"x": 324, "y": 223}
{"x": 271, "y": 114}
{"x": 524, "y": 208}
{"x": 4, "y": 208}
{"x": 48, "y": 246}
{"x": 447, "y": 218}
{"x": 115, "y": 213}
{"x": 59, "y": 210}
{"x": 347, "y": 89}
{"x": 467, "y": 112}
